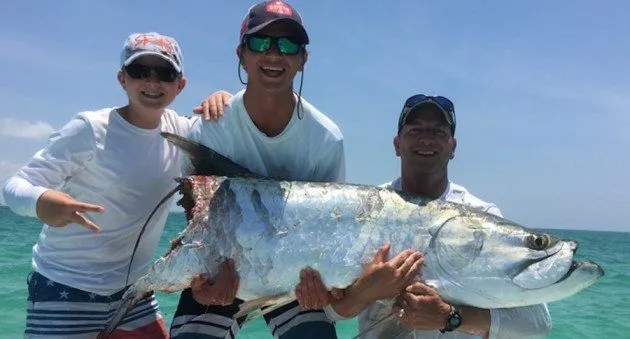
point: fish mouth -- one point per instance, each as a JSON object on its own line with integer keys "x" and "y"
{"x": 590, "y": 266}
{"x": 574, "y": 266}
{"x": 555, "y": 265}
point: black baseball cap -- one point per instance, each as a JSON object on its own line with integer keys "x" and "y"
{"x": 265, "y": 13}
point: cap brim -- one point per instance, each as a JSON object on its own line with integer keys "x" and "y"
{"x": 301, "y": 31}
{"x": 135, "y": 56}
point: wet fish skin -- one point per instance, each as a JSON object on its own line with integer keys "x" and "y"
{"x": 272, "y": 229}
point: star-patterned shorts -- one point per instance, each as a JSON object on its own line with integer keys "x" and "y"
{"x": 55, "y": 310}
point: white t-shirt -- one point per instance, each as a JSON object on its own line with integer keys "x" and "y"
{"x": 308, "y": 149}
{"x": 519, "y": 322}
{"x": 100, "y": 158}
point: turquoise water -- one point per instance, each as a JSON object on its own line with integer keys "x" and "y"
{"x": 602, "y": 311}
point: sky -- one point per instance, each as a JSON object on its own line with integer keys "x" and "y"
{"x": 541, "y": 89}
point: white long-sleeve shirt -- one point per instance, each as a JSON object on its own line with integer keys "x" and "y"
{"x": 100, "y": 158}
{"x": 530, "y": 322}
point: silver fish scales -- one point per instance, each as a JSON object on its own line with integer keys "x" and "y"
{"x": 273, "y": 228}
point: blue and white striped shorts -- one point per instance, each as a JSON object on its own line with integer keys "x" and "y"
{"x": 55, "y": 310}
{"x": 195, "y": 321}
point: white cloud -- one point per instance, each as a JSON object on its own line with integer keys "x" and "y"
{"x": 12, "y": 127}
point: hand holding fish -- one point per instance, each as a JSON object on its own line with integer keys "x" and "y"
{"x": 58, "y": 209}
{"x": 380, "y": 279}
{"x": 220, "y": 292}
{"x": 420, "y": 307}
{"x": 311, "y": 292}
{"x": 212, "y": 106}
{"x": 383, "y": 278}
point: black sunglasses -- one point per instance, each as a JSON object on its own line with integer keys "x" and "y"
{"x": 164, "y": 73}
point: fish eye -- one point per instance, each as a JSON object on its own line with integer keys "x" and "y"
{"x": 539, "y": 242}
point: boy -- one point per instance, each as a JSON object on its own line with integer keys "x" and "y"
{"x": 93, "y": 186}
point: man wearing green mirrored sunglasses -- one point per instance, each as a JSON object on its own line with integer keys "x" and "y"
{"x": 274, "y": 132}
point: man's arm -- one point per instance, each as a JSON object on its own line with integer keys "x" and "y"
{"x": 520, "y": 322}
{"x": 425, "y": 310}
{"x": 420, "y": 307}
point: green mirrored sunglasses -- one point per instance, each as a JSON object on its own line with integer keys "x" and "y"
{"x": 262, "y": 43}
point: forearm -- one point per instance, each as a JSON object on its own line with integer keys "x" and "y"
{"x": 68, "y": 151}
{"x": 351, "y": 304}
{"x": 21, "y": 196}
{"x": 530, "y": 321}
{"x": 475, "y": 321}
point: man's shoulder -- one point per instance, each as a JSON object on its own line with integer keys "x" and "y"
{"x": 460, "y": 194}
{"x": 220, "y": 134}
{"x": 321, "y": 122}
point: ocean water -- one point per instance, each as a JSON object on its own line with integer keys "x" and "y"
{"x": 601, "y": 311}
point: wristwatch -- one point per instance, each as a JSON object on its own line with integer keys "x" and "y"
{"x": 453, "y": 321}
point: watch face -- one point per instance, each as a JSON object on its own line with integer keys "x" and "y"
{"x": 454, "y": 321}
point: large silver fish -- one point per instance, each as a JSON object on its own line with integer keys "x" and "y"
{"x": 272, "y": 229}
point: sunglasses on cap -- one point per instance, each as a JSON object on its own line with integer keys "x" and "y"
{"x": 446, "y": 105}
{"x": 262, "y": 43}
{"x": 164, "y": 73}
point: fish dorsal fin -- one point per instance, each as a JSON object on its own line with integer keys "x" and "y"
{"x": 205, "y": 160}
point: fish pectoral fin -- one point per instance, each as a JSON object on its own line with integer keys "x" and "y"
{"x": 392, "y": 328}
{"x": 372, "y": 327}
{"x": 270, "y": 303}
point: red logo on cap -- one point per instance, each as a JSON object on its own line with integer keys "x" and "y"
{"x": 164, "y": 44}
{"x": 279, "y": 7}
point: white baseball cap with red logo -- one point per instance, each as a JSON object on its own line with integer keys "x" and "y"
{"x": 152, "y": 43}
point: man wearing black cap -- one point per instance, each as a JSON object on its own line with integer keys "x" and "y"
{"x": 425, "y": 144}
{"x": 273, "y": 132}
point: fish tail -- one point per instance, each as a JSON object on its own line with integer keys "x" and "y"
{"x": 206, "y": 161}
{"x": 129, "y": 300}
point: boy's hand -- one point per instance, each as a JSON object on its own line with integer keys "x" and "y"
{"x": 58, "y": 209}
{"x": 212, "y": 106}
